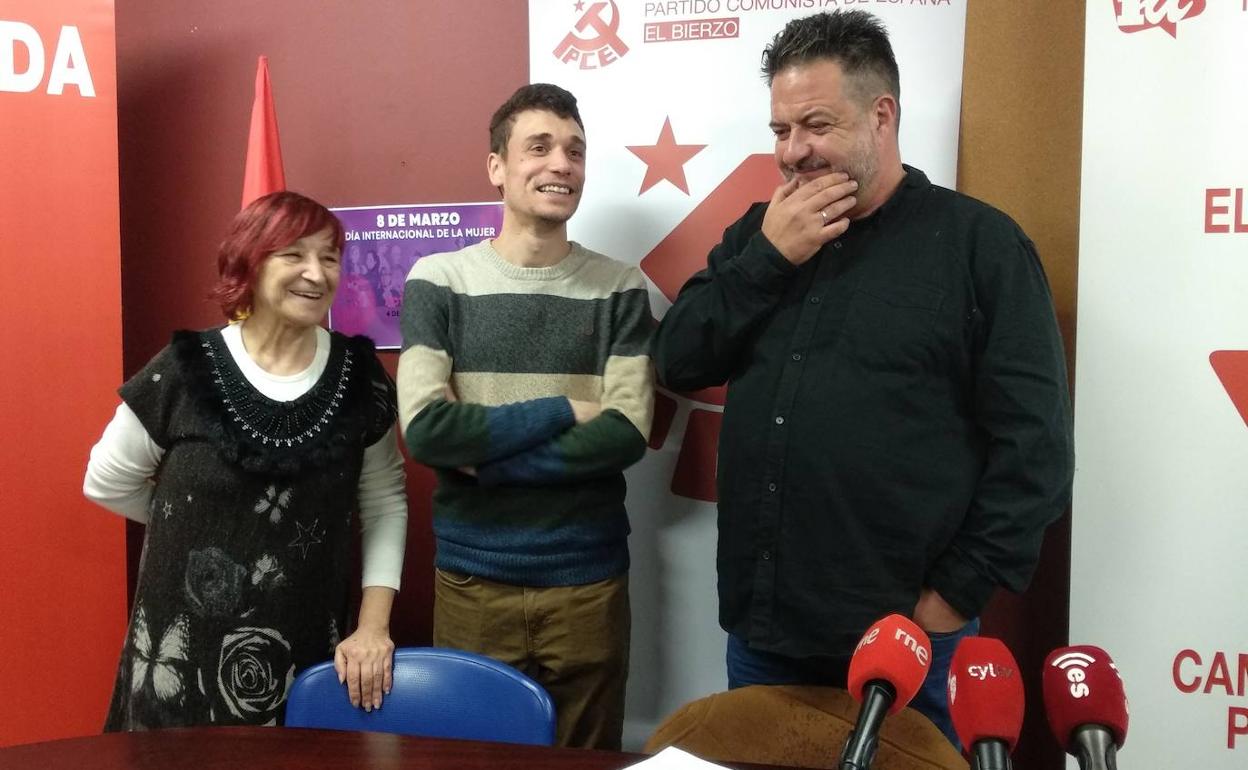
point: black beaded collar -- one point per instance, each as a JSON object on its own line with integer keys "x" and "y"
{"x": 278, "y": 436}
{"x": 281, "y": 423}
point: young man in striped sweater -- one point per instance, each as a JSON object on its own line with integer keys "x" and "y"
{"x": 525, "y": 382}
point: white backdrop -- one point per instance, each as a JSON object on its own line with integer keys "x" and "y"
{"x": 710, "y": 90}
{"x": 1161, "y": 491}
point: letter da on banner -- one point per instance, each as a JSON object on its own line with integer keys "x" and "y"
{"x": 69, "y": 61}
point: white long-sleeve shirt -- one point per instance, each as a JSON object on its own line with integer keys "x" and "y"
{"x": 123, "y": 462}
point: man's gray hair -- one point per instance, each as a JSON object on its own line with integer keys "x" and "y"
{"x": 856, "y": 40}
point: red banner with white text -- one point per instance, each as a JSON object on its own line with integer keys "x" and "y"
{"x": 62, "y": 573}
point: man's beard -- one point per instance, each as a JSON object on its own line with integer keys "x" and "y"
{"x": 549, "y": 223}
{"x": 861, "y": 166}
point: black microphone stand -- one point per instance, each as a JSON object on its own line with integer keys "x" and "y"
{"x": 991, "y": 754}
{"x": 860, "y": 748}
{"x": 1095, "y": 748}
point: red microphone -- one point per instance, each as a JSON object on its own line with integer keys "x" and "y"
{"x": 887, "y": 669}
{"x": 1086, "y": 705}
{"x": 986, "y": 701}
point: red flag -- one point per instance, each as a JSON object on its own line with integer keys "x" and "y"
{"x": 263, "y": 173}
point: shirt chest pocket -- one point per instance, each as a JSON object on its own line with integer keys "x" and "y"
{"x": 889, "y": 328}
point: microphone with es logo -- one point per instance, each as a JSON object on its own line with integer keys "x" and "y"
{"x": 986, "y": 701}
{"x": 887, "y": 669}
{"x": 1086, "y": 705}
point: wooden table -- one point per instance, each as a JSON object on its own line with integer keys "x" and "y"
{"x": 278, "y": 748}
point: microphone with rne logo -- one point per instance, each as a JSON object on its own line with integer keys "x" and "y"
{"x": 887, "y": 669}
{"x": 986, "y": 701}
{"x": 1086, "y": 705}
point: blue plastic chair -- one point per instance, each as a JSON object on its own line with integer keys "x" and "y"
{"x": 437, "y": 693}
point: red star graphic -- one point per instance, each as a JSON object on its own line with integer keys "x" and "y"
{"x": 580, "y": 6}
{"x": 665, "y": 159}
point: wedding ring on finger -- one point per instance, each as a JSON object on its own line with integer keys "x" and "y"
{"x": 824, "y": 214}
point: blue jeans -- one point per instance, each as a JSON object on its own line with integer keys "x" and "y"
{"x": 746, "y": 667}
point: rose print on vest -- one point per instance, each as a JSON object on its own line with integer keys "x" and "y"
{"x": 254, "y": 673}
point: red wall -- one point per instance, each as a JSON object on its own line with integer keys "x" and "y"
{"x": 62, "y": 605}
{"x": 377, "y": 102}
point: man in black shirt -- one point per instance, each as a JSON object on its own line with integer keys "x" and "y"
{"x": 897, "y": 432}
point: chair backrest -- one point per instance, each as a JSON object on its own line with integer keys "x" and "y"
{"x": 437, "y": 693}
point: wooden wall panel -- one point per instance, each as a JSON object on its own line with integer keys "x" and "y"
{"x": 1020, "y": 149}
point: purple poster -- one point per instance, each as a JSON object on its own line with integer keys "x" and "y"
{"x": 382, "y": 244}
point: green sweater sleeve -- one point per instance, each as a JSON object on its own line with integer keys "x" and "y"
{"x": 607, "y": 444}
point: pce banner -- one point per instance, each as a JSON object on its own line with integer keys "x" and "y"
{"x": 1160, "y": 528}
{"x": 676, "y": 115}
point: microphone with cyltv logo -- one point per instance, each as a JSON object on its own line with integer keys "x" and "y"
{"x": 1086, "y": 705}
{"x": 986, "y": 701}
{"x": 887, "y": 669}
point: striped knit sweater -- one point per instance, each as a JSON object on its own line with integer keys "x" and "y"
{"x": 514, "y": 344}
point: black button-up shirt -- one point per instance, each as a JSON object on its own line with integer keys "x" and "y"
{"x": 898, "y": 416}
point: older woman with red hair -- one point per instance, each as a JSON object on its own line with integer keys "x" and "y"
{"x": 245, "y": 450}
